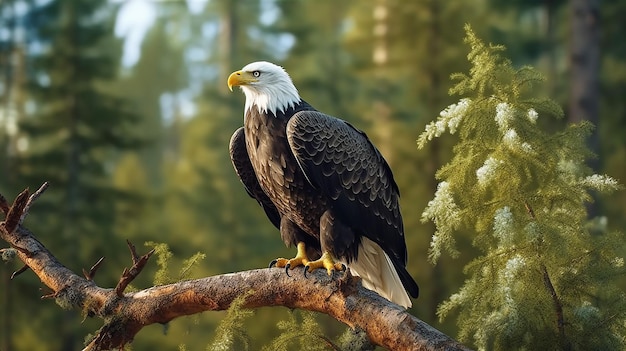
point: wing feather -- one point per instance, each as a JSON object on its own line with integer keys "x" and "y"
{"x": 340, "y": 161}
{"x": 243, "y": 168}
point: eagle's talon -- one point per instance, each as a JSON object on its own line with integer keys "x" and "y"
{"x": 305, "y": 270}
{"x": 287, "y": 266}
{"x": 272, "y": 263}
{"x": 326, "y": 261}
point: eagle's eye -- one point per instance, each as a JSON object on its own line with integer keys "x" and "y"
{"x": 256, "y": 74}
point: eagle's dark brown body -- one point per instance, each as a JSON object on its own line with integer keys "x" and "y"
{"x": 321, "y": 182}
{"x": 279, "y": 182}
{"x": 278, "y": 172}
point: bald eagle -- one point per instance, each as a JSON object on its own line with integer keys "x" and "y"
{"x": 322, "y": 183}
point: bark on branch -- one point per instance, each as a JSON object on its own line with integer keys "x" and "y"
{"x": 341, "y": 296}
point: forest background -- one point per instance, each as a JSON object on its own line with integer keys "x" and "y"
{"x": 123, "y": 107}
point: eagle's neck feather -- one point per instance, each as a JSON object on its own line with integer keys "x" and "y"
{"x": 274, "y": 98}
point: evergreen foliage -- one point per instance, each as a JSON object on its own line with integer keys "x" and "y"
{"x": 75, "y": 130}
{"x": 304, "y": 334}
{"x": 301, "y": 330}
{"x": 230, "y": 333}
{"x": 163, "y": 256}
{"x": 163, "y": 260}
{"x": 546, "y": 279}
{"x": 190, "y": 263}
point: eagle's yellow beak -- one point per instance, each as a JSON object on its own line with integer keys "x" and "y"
{"x": 240, "y": 78}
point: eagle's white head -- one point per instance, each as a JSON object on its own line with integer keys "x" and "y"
{"x": 267, "y": 86}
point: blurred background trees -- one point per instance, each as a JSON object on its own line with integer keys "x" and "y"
{"x": 123, "y": 107}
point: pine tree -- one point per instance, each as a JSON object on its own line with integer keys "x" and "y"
{"x": 76, "y": 130}
{"x": 11, "y": 140}
{"x": 546, "y": 279}
{"x": 612, "y": 104}
{"x": 159, "y": 75}
{"x": 74, "y": 133}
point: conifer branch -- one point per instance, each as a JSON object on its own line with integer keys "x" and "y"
{"x": 556, "y": 301}
{"x": 558, "y": 307}
{"x": 125, "y": 314}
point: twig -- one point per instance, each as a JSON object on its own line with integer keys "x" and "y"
{"x": 560, "y": 321}
{"x": 51, "y": 295}
{"x": 32, "y": 199}
{"x": 558, "y": 306}
{"x": 15, "y": 212}
{"x": 19, "y": 271}
{"x": 129, "y": 274}
{"x": 529, "y": 209}
{"x": 93, "y": 270}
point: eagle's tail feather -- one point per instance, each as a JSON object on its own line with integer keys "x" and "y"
{"x": 378, "y": 273}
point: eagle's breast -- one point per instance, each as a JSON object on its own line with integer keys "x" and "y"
{"x": 278, "y": 172}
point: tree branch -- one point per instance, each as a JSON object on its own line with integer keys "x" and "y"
{"x": 558, "y": 308}
{"x": 92, "y": 272}
{"x": 32, "y": 199}
{"x": 340, "y": 296}
{"x": 130, "y": 274}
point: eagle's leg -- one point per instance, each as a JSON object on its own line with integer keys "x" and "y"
{"x": 335, "y": 237}
{"x": 307, "y": 247}
{"x": 326, "y": 261}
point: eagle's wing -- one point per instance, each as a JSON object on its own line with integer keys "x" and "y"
{"x": 243, "y": 167}
{"x": 341, "y": 162}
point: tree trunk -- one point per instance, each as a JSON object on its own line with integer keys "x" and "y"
{"x": 227, "y": 42}
{"x": 584, "y": 60}
{"x": 585, "y": 72}
{"x": 12, "y": 61}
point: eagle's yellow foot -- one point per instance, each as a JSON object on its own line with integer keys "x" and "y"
{"x": 326, "y": 261}
{"x": 301, "y": 259}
